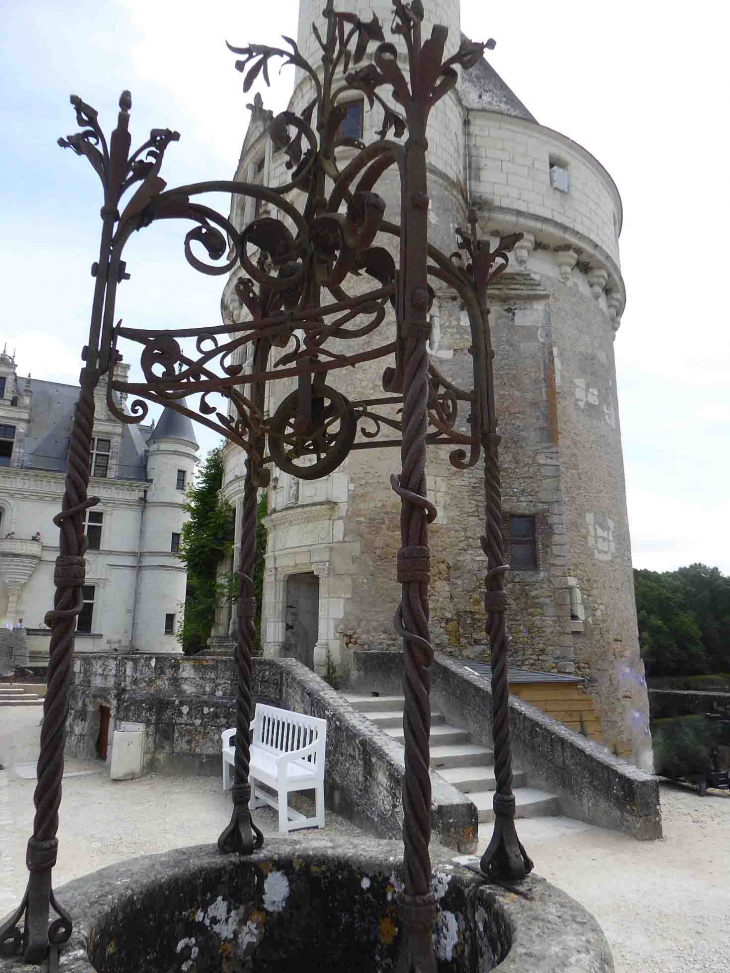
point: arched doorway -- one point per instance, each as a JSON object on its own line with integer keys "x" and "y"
{"x": 301, "y": 617}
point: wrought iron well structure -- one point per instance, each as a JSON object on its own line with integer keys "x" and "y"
{"x": 295, "y": 274}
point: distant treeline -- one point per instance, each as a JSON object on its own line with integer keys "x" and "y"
{"x": 684, "y": 620}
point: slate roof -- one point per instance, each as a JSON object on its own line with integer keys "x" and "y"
{"x": 482, "y": 87}
{"x": 49, "y": 433}
{"x": 516, "y": 676}
{"x": 174, "y": 425}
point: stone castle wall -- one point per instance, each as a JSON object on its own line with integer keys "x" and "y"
{"x": 554, "y": 317}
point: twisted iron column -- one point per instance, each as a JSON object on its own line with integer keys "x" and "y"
{"x": 417, "y": 903}
{"x": 505, "y": 858}
{"x": 242, "y": 835}
{"x": 69, "y": 576}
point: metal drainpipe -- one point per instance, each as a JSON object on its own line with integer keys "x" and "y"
{"x": 136, "y": 570}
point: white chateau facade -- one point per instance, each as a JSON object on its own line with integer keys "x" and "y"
{"x": 135, "y": 583}
{"x": 330, "y": 564}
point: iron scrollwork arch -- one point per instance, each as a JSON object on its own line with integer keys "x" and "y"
{"x": 293, "y": 290}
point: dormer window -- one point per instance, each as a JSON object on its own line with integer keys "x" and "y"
{"x": 7, "y": 440}
{"x": 100, "y": 452}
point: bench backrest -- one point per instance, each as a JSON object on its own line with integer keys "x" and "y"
{"x": 281, "y": 731}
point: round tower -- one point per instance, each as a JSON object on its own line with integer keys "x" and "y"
{"x": 554, "y": 316}
{"x": 161, "y": 576}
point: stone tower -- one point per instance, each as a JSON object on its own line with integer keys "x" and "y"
{"x": 161, "y": 579}
{"x": 554, "y": 318}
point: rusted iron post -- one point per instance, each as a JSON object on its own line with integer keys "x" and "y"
{"x": 242, "y": 835}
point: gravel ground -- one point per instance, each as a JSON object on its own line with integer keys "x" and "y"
{"x": 664, "y": 905}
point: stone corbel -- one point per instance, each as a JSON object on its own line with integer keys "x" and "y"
{"x": 566, "y": 258}
{"x": 597, "y": 280}
{"x": 523, "y": 249}
{"x": 613, "y": 300}
{"x": 322, "y": 569}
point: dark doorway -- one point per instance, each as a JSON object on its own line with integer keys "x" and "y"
{"x": 302, "y": 617}
{"x": 102, "y": 741}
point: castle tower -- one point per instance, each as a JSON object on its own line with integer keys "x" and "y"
{"x": 554, "y": 318}
{"x": 161, "y": 578}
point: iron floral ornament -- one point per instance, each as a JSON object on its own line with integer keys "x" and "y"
{"x": 296, "y": 294}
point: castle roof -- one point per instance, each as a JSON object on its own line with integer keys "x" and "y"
{"x": 482, "y": 87}
{"x": 49, "y": 433}
{"x": 174, "y": 425}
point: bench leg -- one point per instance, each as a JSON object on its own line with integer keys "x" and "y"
{"x": 226, "y": 775}
{"x": 283, "y": 816}
{"x": 319, "y": 804}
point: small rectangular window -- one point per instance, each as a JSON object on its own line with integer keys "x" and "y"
{"x": 175, "y": 544}
{"x": 92, "y": 529}
{"x": 180, "y": 480}
{"x": 522, "y": 544}
{"x": 351, "y": 126}
{"x": 2, "y": 387}
{"x": 83, "y": 623}
{"x": 100, "y": 450}
{"x": 169, "y": 624}
{"x": 559, "y": 174}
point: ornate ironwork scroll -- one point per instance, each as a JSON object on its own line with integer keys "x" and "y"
{"x": 295, "y": 291}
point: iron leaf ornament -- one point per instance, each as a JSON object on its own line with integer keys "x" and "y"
{"x": 292, "y": 273}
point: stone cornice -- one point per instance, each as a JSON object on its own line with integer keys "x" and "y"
{"x": 552, "y": 235}
{"x": 303, "y": 513}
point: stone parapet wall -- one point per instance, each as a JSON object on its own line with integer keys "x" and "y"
{"x": 664, "y": 703}
{"x": 185, "y": 704}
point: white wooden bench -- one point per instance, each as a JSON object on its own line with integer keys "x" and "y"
{"x": 287, "y": 754}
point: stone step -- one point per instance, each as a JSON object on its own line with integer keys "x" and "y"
{"x": 530, "y": 803}
{"x": 440, "y": 735}
{"x": 389, "y": 719}
{"x": 459, "y": 755}
{"x": 10, "y": 690}
{"x": 23, "y": 701}
{"x": 375, "y": 704}
{"x": 478, "y": 778}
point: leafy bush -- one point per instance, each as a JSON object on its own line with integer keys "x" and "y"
{"x": 683, "y": 745}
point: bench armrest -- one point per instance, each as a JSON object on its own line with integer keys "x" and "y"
{"x": 297, "y": 754}
{"x": 228, "y": 735}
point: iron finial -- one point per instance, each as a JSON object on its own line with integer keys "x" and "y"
{"x": 125, "y": 101}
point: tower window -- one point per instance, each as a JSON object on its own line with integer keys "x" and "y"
{"x": 351, "y": 126}
{"x": 170, "y": 624}
{"x": 180, "y": 485}
{"x": 559, "y": 174}
{"x": 92, "y": 529}
{"x": 175, "y": 544}
{"x": 2, "y": 387}
{"x": 100, "y": 450}
{"x": 7, "y": 438}
{"x": 522, "y": 544}
{"x": 83, "y": 623}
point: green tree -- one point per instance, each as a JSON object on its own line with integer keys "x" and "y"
{"x": 206, "y": 539}
{"x": 707, "y": 592}
{"x": 670, "y": 638}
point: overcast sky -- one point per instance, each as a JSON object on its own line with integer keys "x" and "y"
{"x": 642, "y": 85}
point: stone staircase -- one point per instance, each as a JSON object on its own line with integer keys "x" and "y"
{"x": 466, "y": 766}
{"x": 20, "y": 695}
